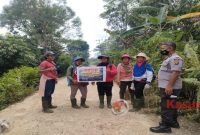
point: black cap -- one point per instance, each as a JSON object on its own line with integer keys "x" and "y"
{"x": 101, "y": 56}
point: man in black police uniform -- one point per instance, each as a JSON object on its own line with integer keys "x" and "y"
{"x": 170, "y": 84}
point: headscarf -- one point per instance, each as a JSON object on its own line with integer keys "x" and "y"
{"x": 140, "y": 70}
{"x": 127, "y": 68}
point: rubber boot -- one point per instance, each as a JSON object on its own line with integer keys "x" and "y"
{"x": 135, "y": 106}
{"x": 74, "y": 104}
{"x": 132, "y": 98}
{"x": 121, "y": 95}
{"x": 101, "y": 100}
{"x": 83, "y": 103}
{"x": 109, "y": 102}
{"x": 45, "y": 106}
{"x": 50, "y": 104}
{"x": 141, "y": 103}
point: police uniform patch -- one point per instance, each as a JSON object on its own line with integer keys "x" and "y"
{"x": 176, "y": 61}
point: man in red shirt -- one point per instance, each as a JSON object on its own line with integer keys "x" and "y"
{"x": 47, "y": 81}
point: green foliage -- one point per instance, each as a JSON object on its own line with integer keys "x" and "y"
{"x": 195, "y": 74}
{"x": 17, "y": 84}
{"x": 63, "y": 63}
{"x": 78, "y": 48}
{"x": 192, "y": 55}
{"x": 191, "y": 86}
{"x": 116, "y": 13}
{"x": 146, "y": 26}
{"x": 93, "y": 61}
{"x": 15, "y": 52}
{"x": 191, "y": 91}
{"x": 45, "y": 23}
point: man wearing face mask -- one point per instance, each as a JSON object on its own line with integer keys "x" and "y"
{"x": 170, "y": 84}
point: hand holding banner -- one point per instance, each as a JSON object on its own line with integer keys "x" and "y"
{"x": 86, "y": 74}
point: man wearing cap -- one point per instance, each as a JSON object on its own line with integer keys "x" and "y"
{"x": 142, "y": 77}
{"x": 170, "y": 84}
{"x": 106, "y": 87}
{"x": 124, "y": 76}
{"x": 47, "y": 81}
{"x": 75, "y": 85}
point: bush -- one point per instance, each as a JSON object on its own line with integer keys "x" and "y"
{"x": 17, "y": 84}
{"x": 191, "y": 89}
{"x": 63, "y": 63}
{"x": 14, "y": 52}
{"x": 190, "y": 92}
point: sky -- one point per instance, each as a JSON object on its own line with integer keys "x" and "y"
{"x": 92, "y": 24}
{"x": 3, "y": 3}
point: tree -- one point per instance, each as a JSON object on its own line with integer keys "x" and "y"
{"x": 15, "y": 52}
{"x": 63, "y": 63}
{"x": 78, "y": 48}
{"x": 44, "y": 22}
{"x": 144, "y": 19}
{"x": 116, "y": 13}
{"x": 148, "y": 25}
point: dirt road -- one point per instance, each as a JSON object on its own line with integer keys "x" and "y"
{"x": 26, "y": 117}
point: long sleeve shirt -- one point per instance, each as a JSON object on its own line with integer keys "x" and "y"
{"x": 143, "y": 72}
{"x": 111, "y": 71}
{"x": 124, "y": 74}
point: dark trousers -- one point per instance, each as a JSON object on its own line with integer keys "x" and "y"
{"x": 123, "y": 86}
{"x": 49, "y": 89}
{"x": 169, "y": 113}
{"x": 139, "y": 87}
{"x": 104, "y": 88}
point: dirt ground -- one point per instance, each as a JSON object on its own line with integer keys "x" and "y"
{"x": 26, "y": 117}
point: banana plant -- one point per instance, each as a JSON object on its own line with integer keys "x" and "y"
{"x": 193, "y": 56}
{"x": 172, "y": 19}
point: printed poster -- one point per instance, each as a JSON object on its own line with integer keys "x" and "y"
{"x": 94, "y": 74}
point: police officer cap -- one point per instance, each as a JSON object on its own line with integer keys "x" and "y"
{"x": 172, "y": 44}
{"x": 79, "y": 58}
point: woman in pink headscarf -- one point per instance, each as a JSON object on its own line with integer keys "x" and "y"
{"x": 124, "y": 75}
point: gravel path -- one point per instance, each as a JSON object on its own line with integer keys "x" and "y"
{"x": 26, "y": 117}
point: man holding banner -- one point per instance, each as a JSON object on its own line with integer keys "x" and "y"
{"x": 75, "y": 84}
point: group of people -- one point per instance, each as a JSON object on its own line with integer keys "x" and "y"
{"x": 140, "y": 75}
{"x": 103, "y": 87}
{"x": 135, "y": 78}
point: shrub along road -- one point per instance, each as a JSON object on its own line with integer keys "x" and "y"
{"x": 26, "y": 118}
